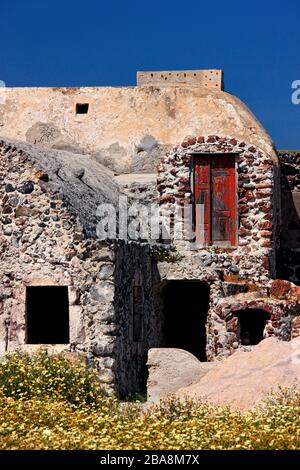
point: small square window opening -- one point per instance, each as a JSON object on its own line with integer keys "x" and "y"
{"x": 82, "y": 108}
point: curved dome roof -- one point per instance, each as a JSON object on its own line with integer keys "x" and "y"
{"x": 119, "y": 120}
{"x": 183, "y": 111}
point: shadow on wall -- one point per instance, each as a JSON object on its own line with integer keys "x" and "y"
{"x": 288, "y": 253}
{"x": 136, "y": 316}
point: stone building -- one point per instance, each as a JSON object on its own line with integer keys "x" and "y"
{"x": 176, "y": 140}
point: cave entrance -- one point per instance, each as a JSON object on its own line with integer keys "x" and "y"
{"x": 185, "y": 307}
{"x": 252, "y": 323}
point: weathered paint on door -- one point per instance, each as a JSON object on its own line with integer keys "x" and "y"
{"x": 223, "y": 207}
{"x": 202, "y": 200}
{"x": 215, "y": 187}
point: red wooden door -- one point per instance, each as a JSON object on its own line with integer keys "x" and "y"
{"x": 202, "y": 200}
{"x": 215, "y": 199}
{"x": 223, "y": 207}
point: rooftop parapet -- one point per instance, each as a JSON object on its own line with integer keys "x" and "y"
{"x": 202, "y": 78}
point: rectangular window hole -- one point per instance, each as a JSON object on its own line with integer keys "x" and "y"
{"x": 82, "y": 108}
{"x": 47, "y": 315}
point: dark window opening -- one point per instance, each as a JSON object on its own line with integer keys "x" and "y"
{"x": 137, "y": 308}
{"x": 185, "y": 307}
{"x": 252, "y": 323}
{"x": 47, "y": 315}
{"x": 82, "y": 108}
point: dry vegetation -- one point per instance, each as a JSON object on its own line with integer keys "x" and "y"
{"x": 53, "y": 403}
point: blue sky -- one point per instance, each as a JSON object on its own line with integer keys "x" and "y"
{"x": 96, "y": 42}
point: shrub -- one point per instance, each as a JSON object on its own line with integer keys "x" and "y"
{"x": 174, "y": 424}
{"x": 24, "y": 376}
{"x": 51, "y": 402}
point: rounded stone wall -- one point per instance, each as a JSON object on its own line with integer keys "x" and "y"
{"x": 258, "y": 202}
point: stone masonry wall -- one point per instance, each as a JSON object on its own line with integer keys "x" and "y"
{"x": 135, "y": 267}
{"x": 279, "y": 299}
{"x": 288, "y": 255}
{"x": 42, "y": 244}
{"x": 223, "y": 323}
{"x": 240, "y": 278}
{"x": 258, "y": 204}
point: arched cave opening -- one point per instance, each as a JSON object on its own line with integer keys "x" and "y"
{"x": 185, "y": 307}
{"x": 252, "y": 323}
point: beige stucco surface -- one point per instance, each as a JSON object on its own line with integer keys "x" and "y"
{"x": 120, "y": 117}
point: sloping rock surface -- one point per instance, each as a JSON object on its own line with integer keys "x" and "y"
{"x": 245, "y": 378}
{"x": 80, "y": 180}
{"x": 171, "y": 369}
